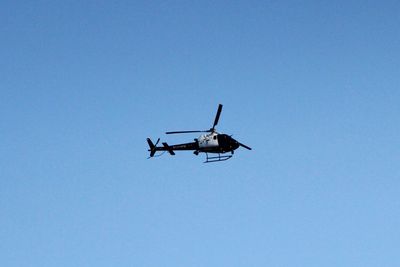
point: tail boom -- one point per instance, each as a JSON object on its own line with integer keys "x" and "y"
{"x": 153, "y": 148}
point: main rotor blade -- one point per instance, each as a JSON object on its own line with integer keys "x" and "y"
{"x": 249, "y": 148}
{"x": 217, "y": 116}
{"x": 179, "y": 132}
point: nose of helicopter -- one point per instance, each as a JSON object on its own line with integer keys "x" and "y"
{"x": 227, "y": 143}
{"x": 234, "y": 144}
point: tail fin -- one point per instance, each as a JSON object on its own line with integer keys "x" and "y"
{"x": 152, "y": 146}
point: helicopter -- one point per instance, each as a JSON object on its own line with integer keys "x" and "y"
{"x": 210, "y": 142}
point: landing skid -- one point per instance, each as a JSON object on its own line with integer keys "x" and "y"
{"x": 217, "y": 158}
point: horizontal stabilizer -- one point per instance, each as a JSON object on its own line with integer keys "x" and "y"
{"x": 168, "y": 148}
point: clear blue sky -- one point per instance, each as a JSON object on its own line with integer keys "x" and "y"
{"x": 312, "y": 86}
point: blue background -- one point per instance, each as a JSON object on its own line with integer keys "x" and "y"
{"x": 311, "y": 86}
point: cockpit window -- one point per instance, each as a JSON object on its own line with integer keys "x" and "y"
{"x": 215, "y": 137}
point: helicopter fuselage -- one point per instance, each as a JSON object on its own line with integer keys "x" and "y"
{"x": 217, "y": 143}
